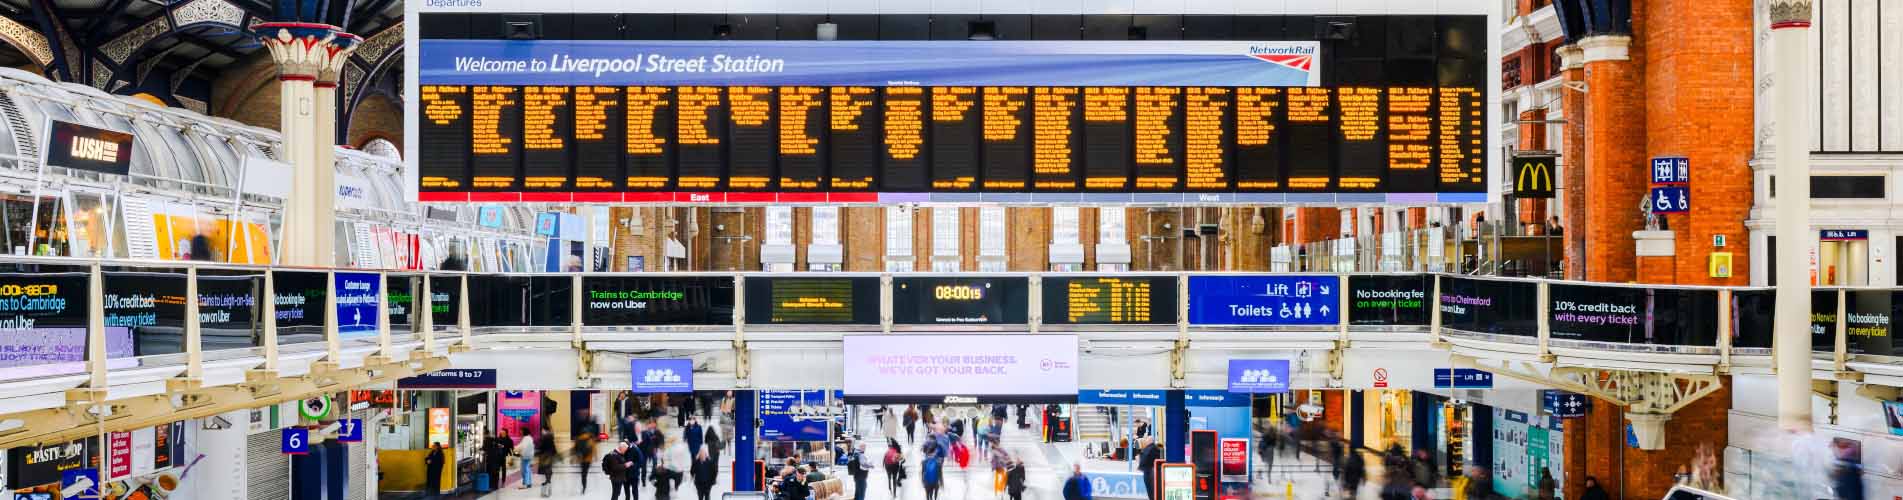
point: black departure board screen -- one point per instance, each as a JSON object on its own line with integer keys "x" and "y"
{"x": 700, "y": 124}
{"x": 813, "y": 301}
{"x": 916, "y": 121}
{"x": 960, "y": 301}
{"x": 640, "y": 300}
{"x": 855, "y": 127}
{"x": 1129, "y": 300}
{"x": 956, "y": 124}
{"x": 803, "y": 122}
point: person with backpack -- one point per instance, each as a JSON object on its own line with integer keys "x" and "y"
{"x": 615, "y": 465}
{"x": 706, "y": 470}
{"x": 894, "y": 467}
{"x": 1014, "y": 479}
{"x": 932, "y": 471}
{"x": 857, "y": 467}
{"x": 911, "y": 424}
{"x": 665, "y": 480}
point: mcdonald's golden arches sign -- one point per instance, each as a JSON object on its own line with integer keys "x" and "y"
{"x": 1533, "y": 176}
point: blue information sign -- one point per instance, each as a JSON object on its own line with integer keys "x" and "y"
{"x": 793, "y": 416}
{"x": 1671, "y": 200}
{"x": 1671, "y": 170}
{"x": 662, "y": 375}
{"x": 1564, "y": 404}
{"x": 1258, "y": 376}
{"x": 1843, "y": 234}
{"x": 72, "y": 477}
{"x": 350, "y": 430}
{"x": 1264, "y": 300}
{"x": 1462, "y": 378}
{"x": 295, "y": 441}
{"x": 1138, "y": 397}
{"x": 458, "y": 378}
{"x": 357, "y": 312}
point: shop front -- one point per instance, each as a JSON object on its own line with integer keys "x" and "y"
{"x": 1113, "y": 426}
{"x": 1388, "y": 419}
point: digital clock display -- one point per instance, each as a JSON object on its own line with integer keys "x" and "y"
{"x": 960, "y": 301}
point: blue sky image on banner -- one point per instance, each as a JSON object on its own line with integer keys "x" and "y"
{"x": 871, "y": 63}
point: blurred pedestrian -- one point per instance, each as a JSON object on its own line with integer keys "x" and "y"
{"x": 615, "y": 466}
{"x": 433, "y": 471}
{"x": 1077, "y": 487}
{"x": 1594, "y": 491}
{"x": 894, "y": 466}
{"x": 706, "y": 473}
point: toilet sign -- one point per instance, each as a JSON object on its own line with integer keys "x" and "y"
{"x": 1671, "y": 170}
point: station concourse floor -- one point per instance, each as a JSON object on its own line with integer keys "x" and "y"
{"x": 1046, "y": 464}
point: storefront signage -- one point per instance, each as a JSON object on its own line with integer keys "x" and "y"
{"x": 1122, "y": 397}
{"x": 1533, "y": 175}
{"x": 1110, "y": 301}
{"x": 1389, "y": 299}
{"x": 813, "y": 301}
{"x": 1264, "y": 300}
{"x": 794, "y": 416}
{"x": 29, "y": 466}
{"x": 1500, "y": 307}
{"x": 357, "y": 313}
{"x": 1564, "y": 404}
{"x": 1843, "y": 234}
{"x": 976, "y": 365}
{"x": 350, "y": 430}
{"x": 638, "y": 300}
{"x": 1259, "y": 376}
{"x": 465, "y": 378}
{"x": 519, "y": 405}
{"x": 662, "y": 375}
{"x": 960, "y": 301}
{"x": 1462, "y": 378}
{"x": 294, "y": 441}
{"x": 93, "y": 149}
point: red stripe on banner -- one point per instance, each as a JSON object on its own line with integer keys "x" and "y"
{"x": 496, "y": 197}
{"x": 433, "y": 197}
{"x": 647, "y": 197}
{"x": 594, "y": 197}
{"x": 752, "y": 197}
{"x": 549, "y": 197}
{"x": 802, "y": 197}
{"x": 852, "y": 197}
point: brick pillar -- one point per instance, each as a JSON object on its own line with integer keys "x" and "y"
{"x": 1701, "y": 425}
{"x": 863, "y": 234}
{"x": 1246, "y": 238}
{"x": 1533, "y": 138}
{"x": 1615, "y": 155}
{"x": 1314, "y": 224}
{"x": 1416, "y": 217}
{"x": 1602, "y": 433}
{"x": 1573, "y": 162}
{"x": 1695, "y": 108}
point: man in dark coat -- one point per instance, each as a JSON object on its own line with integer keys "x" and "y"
{"x": 433, "y": 471}
{"x": 693, "y": 435}
{"x": 1146, "y": 460}
{"x": 615, "y": 465}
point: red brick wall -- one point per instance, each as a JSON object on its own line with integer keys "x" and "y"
{"x": 1657, "y": 270}
{"x": 1574, "y": 168}
{"x": 1698, "y": 105}
{"x": 1316, "y": 224}
{"x": 1648, "y": 473}
{"x": 1615, "y": 162}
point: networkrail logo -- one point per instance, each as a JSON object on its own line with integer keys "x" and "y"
{"x": 1293, "y": 57}
{"x": 660, "y": 376}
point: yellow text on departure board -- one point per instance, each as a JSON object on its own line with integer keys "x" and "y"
{"x": 1204, "y": 112}
{"x": 1051, "y": 136}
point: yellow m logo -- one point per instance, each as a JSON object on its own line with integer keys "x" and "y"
{"x": 1533, "y": 176}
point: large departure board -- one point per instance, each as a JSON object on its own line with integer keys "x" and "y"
{"x": 1131, "y": 300}
{"x": 812, "y": 301}
{"x": 953, "y": 139}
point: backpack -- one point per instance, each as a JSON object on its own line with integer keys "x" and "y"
{"x": 961, "y": 453}
{"x": 893, "y": 458}
{"x": 931, "y": 469}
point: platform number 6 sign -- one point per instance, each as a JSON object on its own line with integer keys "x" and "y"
{"x": 295, "y": 441}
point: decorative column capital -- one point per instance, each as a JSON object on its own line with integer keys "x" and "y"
{"x": 1571, "y": 57}
{"x": 305, "y": 51}
{"x": 1606, "y": 48}
{"x": 1790, "y": 14}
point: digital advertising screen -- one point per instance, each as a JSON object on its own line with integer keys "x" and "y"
{"x": 960, "y": 301}
{"x": 671, "y": 300}
{"x": 1132, "y": 300}
{"x": 813, "y": 301}
{"x": 989, "y": 367}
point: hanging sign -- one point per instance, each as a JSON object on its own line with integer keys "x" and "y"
{"x": 294, "y": 441}
{"x": 75, "y": 146}
{"x": 350, "y": 430}
{"x": 1533, "y": 176}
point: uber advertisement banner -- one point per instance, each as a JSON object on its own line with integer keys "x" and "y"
{"x": 960, "y": 301}
{"x": 1388, "y": 300}
{"x": 228, "y": 311}
{"x": 1656, "y": 316}
{"x": 43, "y": 325}
{"x": 444, "y": 299}
{"x": 1490, "y": 306}
{"x": 633, "y": 300}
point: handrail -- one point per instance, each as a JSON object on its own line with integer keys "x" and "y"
{"x": 460, "y": 333}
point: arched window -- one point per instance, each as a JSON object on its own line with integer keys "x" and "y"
{"x": 383, "y": 148}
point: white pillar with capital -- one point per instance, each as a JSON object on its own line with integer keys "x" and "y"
{"x": 1790, "y": 65}
{"x": 305, "y": 52}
